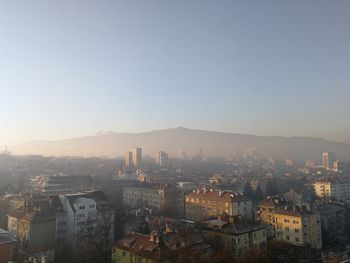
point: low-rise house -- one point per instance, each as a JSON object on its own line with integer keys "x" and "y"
{"x": 168, "y": 246}
{"x": 34, "y": 228}
{"x": 236, "y": 234}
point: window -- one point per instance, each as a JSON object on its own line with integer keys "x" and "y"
{"x": 81, "y": 207}
{"x": 287, "y": 238}
{"x": 81, "y": 215}
{"x": 287, "y": 229}
{"x": 296, "y": 230}
{"x": 297, "y": 239}
{"x": 92, "y": 206}
{"x": 286, "y": 220}
{"x": 295, "y": 222}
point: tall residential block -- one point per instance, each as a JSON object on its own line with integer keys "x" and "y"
{"x": 328, "y": 160}
{"x": 162, "y": 158}
{"x": 133, "y": 157}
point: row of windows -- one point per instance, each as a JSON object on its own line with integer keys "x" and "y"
{"x": 82, "y": 207}
{"x": 296, "y": 239}
{"x": 286, "y": 220}
{"x": 296, "y": 230}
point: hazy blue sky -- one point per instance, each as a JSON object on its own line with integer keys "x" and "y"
{"x": 73, "y": 68}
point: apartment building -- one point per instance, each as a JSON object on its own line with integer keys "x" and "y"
{"x": 34, "y": 227}
{"x": 159, "y": 197}
{"x": 82, "y": 217}
{"x": 297, "y": 225}
{"x": 204, "y": 203}
{"x": 337, "y": 188}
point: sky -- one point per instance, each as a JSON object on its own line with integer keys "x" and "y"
{"x": 74, "y": 68}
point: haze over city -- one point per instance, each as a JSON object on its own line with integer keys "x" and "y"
{"x": 72, "y": 68}
{"x": 187, "y": 131}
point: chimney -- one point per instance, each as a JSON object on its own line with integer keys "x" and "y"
{"x": 220, "y": 193}
{"x": 285, "y": 208}
{"x": 152, "y": 236}
{"x": 308, "y": 207}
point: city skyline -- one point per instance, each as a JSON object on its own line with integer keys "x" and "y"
{"x": 71, "y": 69}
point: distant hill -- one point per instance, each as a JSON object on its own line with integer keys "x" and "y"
{"x": 177, "y": 140}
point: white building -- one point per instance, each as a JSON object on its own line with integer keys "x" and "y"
{"x": 84, "y": 216}
{"x": 162, "y": 158}
{"x": 335, "y": 188}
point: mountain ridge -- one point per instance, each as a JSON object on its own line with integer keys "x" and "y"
{"x": 180, "y": 139}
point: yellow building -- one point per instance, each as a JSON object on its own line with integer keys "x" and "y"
{"x": 34, "y": 230}
{"x": 323, "y": 188}
{"x": 297, "y": 225}
{"x": 236, "y": 235}
{"x": 266, "y": 210}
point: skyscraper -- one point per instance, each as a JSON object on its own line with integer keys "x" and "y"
{"x": 328, "y": 159}
{"x": 162, "y": 158}
{"x": 133, "y": 157}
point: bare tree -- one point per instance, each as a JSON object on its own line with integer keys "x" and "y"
{"x": 97, "y": 239}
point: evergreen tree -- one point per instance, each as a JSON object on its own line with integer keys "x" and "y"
{"x": 258, "y": 194}
{"x": 248, "y": 191}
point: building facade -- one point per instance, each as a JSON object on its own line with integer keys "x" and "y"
{"x": 237, "y": 234}
{"x": 328, "y": 160}
{"x": 159, "y": 197}
{"x": 133, "y": 157}
{"x": 297, "y": 225}
{"x": 6, "y": 246}
{"x": 162, "y": 158}
{"x": 84, "y": 218}
{"x": 33, "y": 228}
{"x": 205, "y": 203}
{"x": 337, "y": 188}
